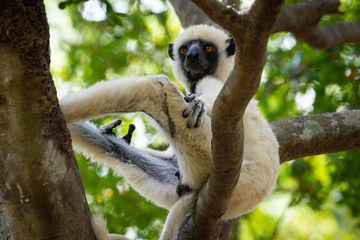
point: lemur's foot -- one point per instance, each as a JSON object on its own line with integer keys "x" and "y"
{"x": 107, "y": 129}
{"x": 196, "y": 109}
{"x": 182, "y": 189}
{"x": 128, "y": 136}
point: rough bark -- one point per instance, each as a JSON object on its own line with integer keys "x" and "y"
{"x": 317, "y": 134}
{"x": 4, "y": 230}
{"x": 41, "y": 194}
{"x": 301, "y": 19}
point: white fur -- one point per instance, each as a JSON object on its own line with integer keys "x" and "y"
{"x": 177, "y": 213}
{"x": 261, "y": 160}
{"x": 207, "y": 90}
{"x": 100, "y": 230}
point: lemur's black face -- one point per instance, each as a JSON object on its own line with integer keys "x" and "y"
{"x": 198, "y": 59}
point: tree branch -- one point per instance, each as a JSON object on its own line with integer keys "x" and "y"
{"x": 301, "y": 19}
{"x": 189, "y": 14}
{"x": 220, "y": 13}
{"x": 227, "y": 127}
{"x": 255, "y": 23}
{"x": 317, "y": 134}
{"x": 306, "y": 136}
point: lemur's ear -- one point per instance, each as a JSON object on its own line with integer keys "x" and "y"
{"x": 170, "y": 50}
{"x": 230, "y": 50}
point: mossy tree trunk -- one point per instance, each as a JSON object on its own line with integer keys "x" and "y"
{"x": 41, "y": 194}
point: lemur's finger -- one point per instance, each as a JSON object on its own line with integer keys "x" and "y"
{"x": 195, "y": 115}
{"x": 190, "y": 97}
{"x": 107, "y": 128}
{"x": 186, "y": 113}
{"x": 201, "y": 116}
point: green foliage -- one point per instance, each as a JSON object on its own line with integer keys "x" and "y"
{"x": 111, "y": 197}
{"x": 131, "y": 38}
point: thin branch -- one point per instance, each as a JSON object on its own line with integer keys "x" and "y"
{"x": 332, "y": 35}
{"x": 189, "y": 14}
{"x": 296, "y": 16}
{"x": 225, "y": 16}
{"x": 302, "y": 20}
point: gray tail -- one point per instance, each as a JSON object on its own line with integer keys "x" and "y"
{"x": 88, "y": 140}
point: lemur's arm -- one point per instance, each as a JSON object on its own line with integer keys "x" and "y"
{"x": 133, "y": 94}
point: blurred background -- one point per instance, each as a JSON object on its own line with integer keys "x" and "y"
{"x": 315, "y": 197}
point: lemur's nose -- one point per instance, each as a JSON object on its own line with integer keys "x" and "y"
{"x": 193, "y": 53}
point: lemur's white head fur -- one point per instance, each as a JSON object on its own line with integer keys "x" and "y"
{"x": 225, "y": 50}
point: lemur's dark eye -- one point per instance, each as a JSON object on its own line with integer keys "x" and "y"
{"x": 183, "y": 50}
{"x": 209, "y": 48}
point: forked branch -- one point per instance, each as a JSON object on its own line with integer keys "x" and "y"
{"x": 230, "y": 105}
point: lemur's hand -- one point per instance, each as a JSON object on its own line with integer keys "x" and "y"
{"x": 107, "y": 129}
{"x": 196, "y": 109}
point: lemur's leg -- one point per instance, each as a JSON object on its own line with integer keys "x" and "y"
{"x": 128, "y": 136}
{"x": 152, "y": 177}
{"x": 176, "y": 215}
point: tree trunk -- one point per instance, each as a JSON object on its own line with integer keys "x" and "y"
{"x": 41, "y": 195}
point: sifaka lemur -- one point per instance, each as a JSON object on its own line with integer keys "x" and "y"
{"x": 203, "y": 59}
